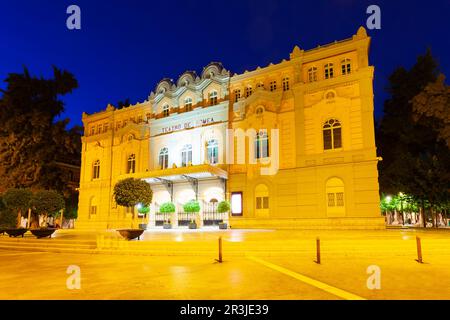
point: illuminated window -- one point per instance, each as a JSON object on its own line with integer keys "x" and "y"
{"x": 237, "y": 95}
{"x": 186, "y": 155}
{"x": 285, "y": 84}
{"x": 346, "y": 66}
{"x": 329, "y": 71}
{"x": 248, "y": 91}
{"x": 166, "y": 111}
{"x": 164, "y": 158}
{"x": 131, "y": 164}
{"x": 332, "y": 135}
{"x": 188, "y": 104}
{"x": 96, "y": 169}
{"x": 262, "y": 145}
{"x": 273, "y": 85}
{"x": 236, "y": 204}
{"x": 213, "y": 151}
{"x": 312, "y": 74}
{"x": 213, "y": 98}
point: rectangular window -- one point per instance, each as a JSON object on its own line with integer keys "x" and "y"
{"x": 258, "y": 202}
{"x": 105, "y": 127}
{"x": 337, "y": 138}
{"x": 265, "y": 202}
{"x": 327, "y": 140}
{"x": 340, "y": 199}
{"x": 237, "y": 95}
{"x": 92, "y": 131}
{"x": 273, "y": 86}
{"x": 331, "y": 202}
{"x": 236, "y": 204}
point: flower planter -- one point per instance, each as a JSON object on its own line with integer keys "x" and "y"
{"x": 131, "y": 234}
{"x": 143, "y": 226}
{"x": 16, "y": 232}
{"x": 167, "y": 225}
{"x": 192, "y": 225}
{"x": 43, "y": 233}
{"x": 223, "y": 225}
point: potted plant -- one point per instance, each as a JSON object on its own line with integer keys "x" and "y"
{"x": 143, "y": 210}
{"x": 192, "y": 206}
{"x": 48, "y": 203}
{"x": 169, "y": 208}
{"x": 16, "y": 201}
{"x": 223, "y": 207}
{"x": 128, "y": 193}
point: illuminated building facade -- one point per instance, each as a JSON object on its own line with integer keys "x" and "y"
{"x": 307, "y": 121}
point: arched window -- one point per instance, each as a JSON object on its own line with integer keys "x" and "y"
{"x": 329, "y": 71}
{"x": 332, "y": 135}
{"x": 213, "y": 151}
{"x": 188, "y": 104}
{"x": 248, "y": 91}
{"x": 164, "y": 158}
{"x": 346, "y": 66}
{"x": 166, "y": 110}
{"x": 335, "y": 197}
{"x": 260, "y": 85}
{"x": 96, "y": 169}
{"x": 259, "y": 111}
{"x": 261, "y": 145}
{"x": 186, "y": 155}
{"x": 213, "y": 98}
{"x": 285, "y": 84}
{"x": 131, "y": 163}
{"x": 237, "y": 95}
{"x": 312, "y": 74}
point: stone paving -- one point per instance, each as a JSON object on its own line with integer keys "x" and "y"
{"x": 273, "y": 265}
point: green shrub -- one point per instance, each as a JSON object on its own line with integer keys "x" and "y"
{"x": 192, "y": 206}
{"x": 144, "y": 210}
{"x": 223, "y": 207}
{"x": 167, "y": 207}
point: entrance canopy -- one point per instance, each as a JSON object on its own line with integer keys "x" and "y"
{"x": 199, "y": 172}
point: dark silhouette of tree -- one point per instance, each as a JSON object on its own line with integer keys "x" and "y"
{"x": 415, "y": 158}
{"x": 32, "y": 141}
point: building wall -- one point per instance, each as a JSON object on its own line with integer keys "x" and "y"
{"x": 296, "y": 97}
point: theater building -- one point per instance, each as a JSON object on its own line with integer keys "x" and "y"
{"x": 291, "y": 145}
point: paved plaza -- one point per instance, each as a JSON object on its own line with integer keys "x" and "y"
{"x": 258, "y": 264}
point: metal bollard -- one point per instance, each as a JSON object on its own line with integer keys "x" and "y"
{"x": 419, "y": 250}
{"x": 220, "y": 251}
{"x": 317, "y": 250}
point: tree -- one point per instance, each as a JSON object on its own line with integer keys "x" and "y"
{"x": 19, "y": 201}
{"x": 130, "y": 192}
{"x": 415, "y": 158}
{"x": 432, "y": 105}
{"x": 32, "y": 139}
{"x": 223, "y": 207}
{"x": 47, "y": 203}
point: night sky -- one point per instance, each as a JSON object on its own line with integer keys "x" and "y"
{"x": 125, "y": 47}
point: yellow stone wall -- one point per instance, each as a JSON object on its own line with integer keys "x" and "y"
{"x": 297, "y": 193}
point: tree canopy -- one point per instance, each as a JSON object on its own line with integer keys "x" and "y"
{"x": 32, "y": 139}
{"x": 129, "y": 192}
{"x": 48, "y": 202}
{"x": 412, "y": 137}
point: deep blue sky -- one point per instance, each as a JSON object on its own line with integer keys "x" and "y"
{"x": 125, "y": 47}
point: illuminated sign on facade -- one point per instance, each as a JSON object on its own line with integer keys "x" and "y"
{"x": 187, "y": 125}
